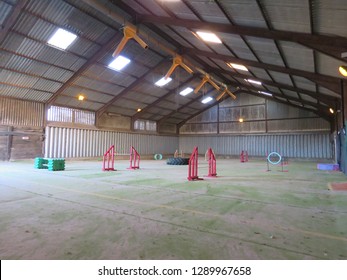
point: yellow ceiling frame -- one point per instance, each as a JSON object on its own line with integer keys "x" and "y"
{"x": 206, "y": 79}
{"x": 226, "y": 90}
{"x": 178, "y": 61}
{"x": 129, "y": 32}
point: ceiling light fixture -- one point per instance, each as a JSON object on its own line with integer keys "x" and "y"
{"x": 331, "y": 110}
{"x": 186, "y": 91}
{"x": 343, "y": 70}
{"x": 209, "y": 37}
{"x": 240, "y": 120}
{"x": 139, "y": 110}
{"x": 206, "y": 100}
{"x": 129, "y": 32}
{"x": 237, "y": 66}
{"x": 62, "y": 39}
{"x": 253, "y": 81}
{"x": 119, "y": 63}
{"x": 163, "y": 82}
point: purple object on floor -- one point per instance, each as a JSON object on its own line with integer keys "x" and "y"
{"x": 328, "y": 166}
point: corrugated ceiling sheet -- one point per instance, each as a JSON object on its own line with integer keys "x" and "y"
{"x": 145, "y": 98}
{"x": 328, "y": 65}
{"x": 180, "y": 9}
{"x": 288, "y": 15}
{"x": 260, "y": 73}
{"x": 304, "y": 83}
{"x": 89, "y": 94}
{"x": 24, "y": 93}
{"x": 133, "y": 104}
{"x": 98, "y": 85}
{"x": 328, "y": 92}
{"x": 266, "y": 50}
{"x": 153, "y": 7}
{"x": 298, "y": 56}
{"x": 330, "y": 19}
{"x": 73, "y": 102}
{"x": 281, "y": 78}
{"x": 244, "y": 12}
{"x": 209, "y": 11}
{"x": 5, "y": 10}
{"x": 290, "y": 93}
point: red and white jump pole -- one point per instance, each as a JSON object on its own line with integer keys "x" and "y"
{"x": 108, "y": 160}
{"x": 212, "y": 163}
{"x": 134, "y": 159}
{"x": 193, "y": 166}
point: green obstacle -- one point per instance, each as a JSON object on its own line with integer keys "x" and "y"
{"x": 55, "y": 164}
{"x": 52, "y": 164}
{"x": 40, "y": 163}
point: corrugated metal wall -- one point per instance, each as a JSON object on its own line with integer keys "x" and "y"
{"x": 21, "y": 113}
{"x": 75, "y": 143}
{"x": 310, "y": 145}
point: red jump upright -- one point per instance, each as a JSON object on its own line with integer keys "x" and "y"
{"x": 244, "y": 156}
{"x": 212, "y": 163}
{"x": 108, "y": 160}
{"x": 134, "y": 159}
{"x": 193, "y": 166}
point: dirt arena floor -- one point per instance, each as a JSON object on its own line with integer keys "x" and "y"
{"x": 156, "y": 213}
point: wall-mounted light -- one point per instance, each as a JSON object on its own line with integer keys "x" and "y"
{"x": 80, "y": 97}
{"x": 343, "y": 70}
{"x": 331, "y": 110}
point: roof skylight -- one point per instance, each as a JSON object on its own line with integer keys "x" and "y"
{"x": 209, "y": 37}
{"x": 163, "y": 82}
{"x": 186, "y": 91}
{"x": 237, "y": 66}
{"x": 119, "y": 63}
{"x": 62, "y": 39}
{"x": 206, "y": 100}
{"x": 265, "y": 93}
{"x": 253, "y": 81}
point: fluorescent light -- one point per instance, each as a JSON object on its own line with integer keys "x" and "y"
{"x": 253, "y": 81}
{"x": 119, "y": 63}
{"x": 62, "y": 39}
{"x": 209, "y": 37}
{"x": 237, "y": 66}
{"x": 265, "y": 93}
{"x": 206, "y": 100}
{"x": 163, "y": 82}
{"x": 186, "y": 91}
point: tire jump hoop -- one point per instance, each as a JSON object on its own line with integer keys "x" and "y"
{"x": 275, "y": 158}
{"x": 272, "y": 161}
{"x": 274, "y": 154}
{"x": 158, "y": 156}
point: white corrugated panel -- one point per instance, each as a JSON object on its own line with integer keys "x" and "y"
{"x": 22, "y": 113}
{"x": 78, "y": 143}
{"x": 311, "y": 145}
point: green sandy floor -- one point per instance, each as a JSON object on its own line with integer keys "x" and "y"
{"x": 156, "y": 213}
